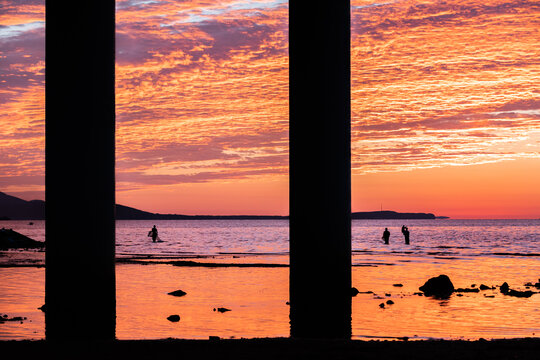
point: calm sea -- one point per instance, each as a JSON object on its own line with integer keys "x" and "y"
{"x": 470, "y": 252}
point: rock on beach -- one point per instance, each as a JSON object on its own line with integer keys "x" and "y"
{"x": 177, "y": 293}
{"x": 10, "y": 239}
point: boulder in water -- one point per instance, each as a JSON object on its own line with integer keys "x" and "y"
{"x": 440, "y": 287}
{"x": 504, "y": 288}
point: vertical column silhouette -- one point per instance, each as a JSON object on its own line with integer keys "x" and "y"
{"x": 79, "y": 170}
{"x": 320, "y": 169}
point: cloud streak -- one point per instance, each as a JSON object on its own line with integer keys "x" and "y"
{"x": 202, "y": 87}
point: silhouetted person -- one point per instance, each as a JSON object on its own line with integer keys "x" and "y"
{"x": 405, "y": 231}
{"x": 153, "y": 233}
{"x": 386, "y": 236}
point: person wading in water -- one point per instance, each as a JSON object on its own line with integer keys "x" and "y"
{"x": 153, "y": 233}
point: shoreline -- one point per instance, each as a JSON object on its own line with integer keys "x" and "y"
{"x": 272, "y": 348}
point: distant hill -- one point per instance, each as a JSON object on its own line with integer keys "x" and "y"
{"x": 14, "y": 208}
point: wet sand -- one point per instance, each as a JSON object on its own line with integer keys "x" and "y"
{"x": 276, "y": 349}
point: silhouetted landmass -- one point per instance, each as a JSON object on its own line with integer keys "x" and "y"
{"x": 13, "y": 208}
{"x": 390, "y": 215}
{"x": 129, "y": 213}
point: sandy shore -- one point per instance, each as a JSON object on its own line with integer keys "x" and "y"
{"x": 277, "y": 349}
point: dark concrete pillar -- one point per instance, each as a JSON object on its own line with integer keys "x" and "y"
{"x": 320, "y": 169}
{"x": 79, "y": 170}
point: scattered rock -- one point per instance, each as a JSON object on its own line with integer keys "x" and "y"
{"x": 174, "y": 318}
{"x": 466, "y": 290}
{"x": 390, "y": 302}
{"x": 398, "y": 285}
{"x": 387, "y": 294}
{"x": 517, "y": 293}
{"x": 485, "y": 287}
{"x": 177, "y": 293}
{"x": 354, "y": 291}
{"x": 504, "y": 288}
{"x": 222, "y": 309}
{"x": 473, "y": 285}
{"x": 6, "y": 318}
{"x": 459, "y": 294}
{"x": 489, "y": 296}
{"x": 381, "y": 305}
{"x": 440, "y": 287}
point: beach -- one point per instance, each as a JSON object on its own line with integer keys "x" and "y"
{"x": 243, "y": 266}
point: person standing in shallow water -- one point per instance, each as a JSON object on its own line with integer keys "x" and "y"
{"x": 405, "y": 231}
{"x": 386, "y": 236}
{"x": 153, "y": 233}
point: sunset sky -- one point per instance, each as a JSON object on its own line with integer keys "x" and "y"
{"x": 445, "y": 106}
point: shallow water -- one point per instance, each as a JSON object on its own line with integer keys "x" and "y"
{"x": 468, "y": 251}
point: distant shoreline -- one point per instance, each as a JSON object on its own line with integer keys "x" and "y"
{"x": 13, "y": 208}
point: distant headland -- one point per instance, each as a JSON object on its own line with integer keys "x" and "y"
{"x": 13, "y": 208}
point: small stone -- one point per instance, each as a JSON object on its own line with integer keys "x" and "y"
{"x": 174, "y": 318}
{"x": 459, "y": 294}
{"x": 390, "y": 302}
{"x": 222, "y": 309}
{"x": 381, "y": 305}
{"x": 458, "y": 290}
{"x": 398, "y": 285}
{"x": 177, "y": 293}
{"x": 489, "y": 296}
{"x": 504, "y": 288}
{"x": 484, "y": 287}
{"x": 387, "y": 294}
{"x": 473, "y": 285}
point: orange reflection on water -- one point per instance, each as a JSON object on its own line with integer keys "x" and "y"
{"x": 256, "y": 297}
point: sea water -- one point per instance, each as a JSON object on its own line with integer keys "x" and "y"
{"x": 470, "y": 252}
